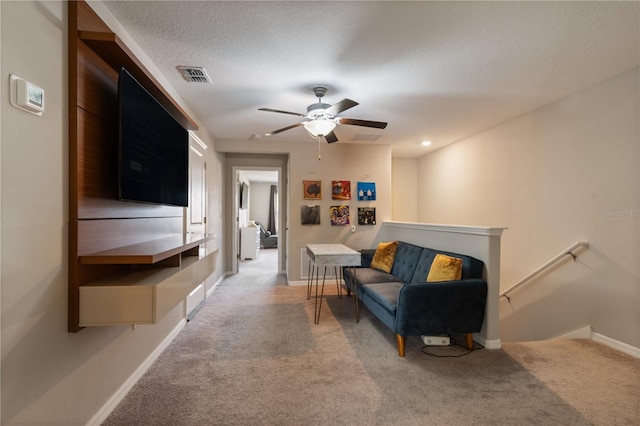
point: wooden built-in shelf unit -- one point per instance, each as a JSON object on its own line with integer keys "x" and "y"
{"x": 118, "y": 250}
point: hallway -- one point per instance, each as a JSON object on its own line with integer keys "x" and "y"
{"x": 261, "y": 271}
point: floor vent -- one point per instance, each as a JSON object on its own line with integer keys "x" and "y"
{"x": 194, "y": 74}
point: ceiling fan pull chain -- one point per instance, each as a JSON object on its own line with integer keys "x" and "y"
{"x": 319, "y": 149}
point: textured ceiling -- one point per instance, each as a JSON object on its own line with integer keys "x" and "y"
{"x": 433, "y": 70}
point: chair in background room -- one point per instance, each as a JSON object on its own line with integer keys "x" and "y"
{"x": 267, "y": 240}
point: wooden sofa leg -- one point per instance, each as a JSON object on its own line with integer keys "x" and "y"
{"x": 401, "y": 344}
{"x": 469, "y": 341}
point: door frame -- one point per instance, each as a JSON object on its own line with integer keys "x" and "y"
{"x": 282, "y": 228}
{"x": 194, "y": 149}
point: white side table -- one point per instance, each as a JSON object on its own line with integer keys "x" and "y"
{"x": 324, "y": 255}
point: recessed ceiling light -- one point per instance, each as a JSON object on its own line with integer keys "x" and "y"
{"x": 425, "y": 143}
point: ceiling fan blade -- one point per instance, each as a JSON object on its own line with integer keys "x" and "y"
{"x": 275, "y": 132}
{"x": 331, "y": 137}
{"x": 364, "y": 123}
{"x": 343, "y": 105}
{"x": 281, "y": 112}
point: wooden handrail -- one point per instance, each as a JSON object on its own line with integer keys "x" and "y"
{"x": 568, "y": 251}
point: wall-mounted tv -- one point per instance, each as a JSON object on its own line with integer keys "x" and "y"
{"x": 153, "y": 148}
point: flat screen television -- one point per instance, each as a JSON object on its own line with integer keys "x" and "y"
{"x": 153, "y": 148}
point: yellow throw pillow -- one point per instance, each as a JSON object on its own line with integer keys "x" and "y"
{"x": 445, "y": 268}
{"x": 384, "y": 256}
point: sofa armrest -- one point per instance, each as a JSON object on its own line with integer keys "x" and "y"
{"x": 441, "y": 308}
{"x": 366, "y": 256}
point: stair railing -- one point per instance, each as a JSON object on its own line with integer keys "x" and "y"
{"x": 568, "y": 251}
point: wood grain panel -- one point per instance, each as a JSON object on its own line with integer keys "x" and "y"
{"x": 97, "y": 158}
{"x": 97, "y": 84}
{"x": 87, "y": 20}
{"x": 108, "y": 234}
{"x": 98, "y": 220}
{"x": 97, "y": 208}
{"x": 147, "y": 252}
{"x": 114, "y": 52}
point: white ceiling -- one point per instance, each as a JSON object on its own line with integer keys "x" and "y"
{"x": 433, "y": 70}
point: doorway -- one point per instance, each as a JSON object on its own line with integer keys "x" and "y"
{"x": 259, "y": 222}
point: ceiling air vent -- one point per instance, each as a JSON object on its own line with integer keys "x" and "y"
{"x": 194, "y": 74}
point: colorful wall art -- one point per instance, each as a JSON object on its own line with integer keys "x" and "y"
{"x": 339, "y": 215}
{"x": 341, "y": 189}
{"x": 310, "y": 215}
{"x": 366, "y": 191}
{"x": 312, "y": 189}
{"x": 366, "y": 215}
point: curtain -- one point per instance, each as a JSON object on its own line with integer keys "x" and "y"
{"x": 273, "y": 208}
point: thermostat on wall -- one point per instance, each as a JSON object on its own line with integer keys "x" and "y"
{"x": 26, "y": 95}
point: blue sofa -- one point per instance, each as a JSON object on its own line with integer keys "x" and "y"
{"x": 410, "y": 306}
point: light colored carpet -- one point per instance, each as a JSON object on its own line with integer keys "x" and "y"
{"x": 252, "y": 356}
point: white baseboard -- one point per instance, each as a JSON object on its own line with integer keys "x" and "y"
{"x": 211, "y": 290}
{"x": 616, "y": 344}
{"x": 104, "y": 411}
{"x": 587, "y": 333}
{"x": 581, "y": 333}
{"x": 488, "y": 344}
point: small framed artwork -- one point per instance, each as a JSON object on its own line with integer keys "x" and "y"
{"x": 312, "y": 189}
{"x": 366, "y": 191}
{"x": 309, "y": 215}
{"x": 341, "y": 190}
{"x": 339, "y": 215}
{"x": 366, "y": 215}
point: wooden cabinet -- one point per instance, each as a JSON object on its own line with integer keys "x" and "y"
{"x": 249, "y": 242}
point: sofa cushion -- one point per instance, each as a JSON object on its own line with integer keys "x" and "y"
{"x": 386, "y": 294}
{"x": 369, "y": 276}
{"x": 384, "y": 256}
{"x": 407, "y": 257}
{"x": 445, "y": 268}
{"x": 471, "y": 267}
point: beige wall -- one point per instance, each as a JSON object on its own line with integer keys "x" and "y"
{"x": 259, "y": 195}
{"x": 404, "y": 189}
{"x": 340, "y": 161}
{"x": 563, "y": 173}
{"x": 50, "y": 376}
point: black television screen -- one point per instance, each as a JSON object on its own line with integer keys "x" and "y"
{"x": 154, "y": 148}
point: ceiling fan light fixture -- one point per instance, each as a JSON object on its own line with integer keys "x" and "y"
{"x": 319, "y": 127}
{"x": 321, "y": 118}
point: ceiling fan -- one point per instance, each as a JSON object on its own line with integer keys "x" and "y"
{"x": 321, "y": 118}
